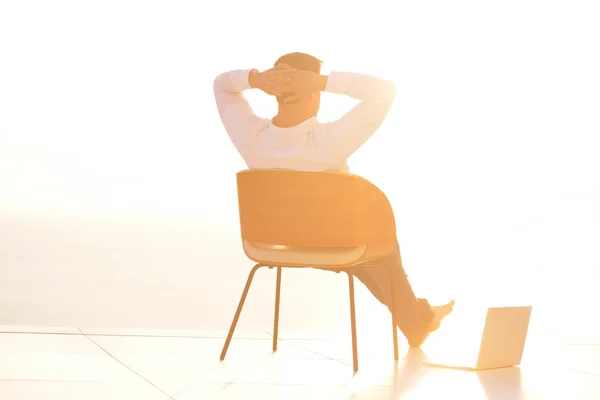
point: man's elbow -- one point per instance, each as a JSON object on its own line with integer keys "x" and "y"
{"x": 389, "y": 92}
{"x": 218, "y": 83}
{"x": 385, "y": 100}
{"x": 384, "y": 97}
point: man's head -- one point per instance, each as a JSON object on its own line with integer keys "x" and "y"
{"x": 304, "y": 62}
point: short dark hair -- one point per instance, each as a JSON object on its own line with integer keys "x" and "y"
{"x": 301, "y": 61}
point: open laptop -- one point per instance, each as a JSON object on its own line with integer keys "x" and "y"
{"x": 498, "y": 343}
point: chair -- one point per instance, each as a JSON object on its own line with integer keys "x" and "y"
{"x": 325, "y": 220}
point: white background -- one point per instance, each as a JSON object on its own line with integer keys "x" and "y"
{"x": 117, "y": 185}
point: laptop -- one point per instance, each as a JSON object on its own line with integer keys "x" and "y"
{"x": 499, "y": 343}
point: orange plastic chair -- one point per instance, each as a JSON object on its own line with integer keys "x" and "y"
{"x": 325, "y": 220}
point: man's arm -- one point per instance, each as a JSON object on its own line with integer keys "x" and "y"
{"x": 344, "y": 136}
{"x": 240, "y": 122}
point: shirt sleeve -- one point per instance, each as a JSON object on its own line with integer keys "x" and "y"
{"x": 240, "y": 122}
{"x": 343, "y": 137}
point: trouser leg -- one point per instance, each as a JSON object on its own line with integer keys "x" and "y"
{"x": 413, "y": 315}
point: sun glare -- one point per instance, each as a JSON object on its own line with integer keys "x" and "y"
{"x": 488, "y": 154}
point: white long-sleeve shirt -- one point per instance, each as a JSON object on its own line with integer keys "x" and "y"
{"x": 311, "y": 145}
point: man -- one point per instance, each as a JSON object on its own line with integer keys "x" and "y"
{"x": 295, "y": 139}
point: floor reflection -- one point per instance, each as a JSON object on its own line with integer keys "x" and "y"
{"x": 502, "y": 383}
{"x": 405, "y": 375}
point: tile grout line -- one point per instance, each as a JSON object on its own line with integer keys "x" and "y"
{"x": 165, "y": 336}
{"x": 341, "y": 361}
{"x": 288, "y": 341}
{"x": 181, "y": 391}
{"x": 581, "y": 372}
{"x": 223, "y": 385}
{"x": 81, "y": 333}
{"x": 126, "y": 366}
{"x": 233, "y": 382}
{"x": 41, "y": 333}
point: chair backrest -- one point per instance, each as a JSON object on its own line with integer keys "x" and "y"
{"x": 314, "y": 210}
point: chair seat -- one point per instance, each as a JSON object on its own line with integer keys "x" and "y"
{"x": 307, "y": 257}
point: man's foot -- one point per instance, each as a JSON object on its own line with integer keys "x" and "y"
{"x": 440, "y": 312}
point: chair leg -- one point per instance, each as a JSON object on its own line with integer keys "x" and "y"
{"x": 394, "y": 327}
{"x": 353, "y": 323}
{"x": 239, "y": 310}
{"x": 276, "y": 321}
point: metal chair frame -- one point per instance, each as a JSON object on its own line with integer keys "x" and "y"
{"x": 276, "y": 317}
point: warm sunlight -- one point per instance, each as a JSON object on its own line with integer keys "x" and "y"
{"x": 488, "y": 154}
{"x": 158, "y": 231}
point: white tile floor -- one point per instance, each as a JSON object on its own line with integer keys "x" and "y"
{"x": 38, "y": 363}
